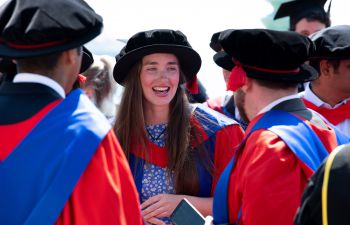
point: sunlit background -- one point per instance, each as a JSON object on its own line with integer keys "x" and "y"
{"x": 198, "y": 20}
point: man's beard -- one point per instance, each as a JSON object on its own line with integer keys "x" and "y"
{"x": 240, "y": 101}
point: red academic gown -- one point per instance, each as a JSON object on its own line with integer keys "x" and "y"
{"x": 268, "y": 179}
{"x": 105, "y": 192}
{"x": 221, "y": 136}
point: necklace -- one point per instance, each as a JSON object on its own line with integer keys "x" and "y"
{"x": 156, "y": 131}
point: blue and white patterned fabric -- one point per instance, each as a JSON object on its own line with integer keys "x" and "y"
{"x": 156, "y": 180}
{"x": 156, "y": 133}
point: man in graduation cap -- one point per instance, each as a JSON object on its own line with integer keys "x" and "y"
{"x": 284, "y": 141}
{"x": 60, "y": 162}
{"x": 306, "y": 16}
{"x": 330, "y": 93}
{"x": 225, "y": 103}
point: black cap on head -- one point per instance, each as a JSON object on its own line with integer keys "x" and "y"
{"x": 214, "y": 42}
{"x": 87, "y": 60}
{"x": 299, "y": 9}
{"x": 41, "y": 27}
{"x": 223, "y": 60}
{"x": 332, "y": 43}
{"x": 157, "y": 41}
{"x": 269, "y": 54}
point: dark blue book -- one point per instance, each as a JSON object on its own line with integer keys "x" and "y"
{"x": 186, "y": 214}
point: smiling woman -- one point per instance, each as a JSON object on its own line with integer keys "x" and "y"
{"x": 175, "y": 149}
{"x": 160, "y": 74}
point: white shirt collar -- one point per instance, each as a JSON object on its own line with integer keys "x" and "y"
{"x": 311, "y": 97}
{"x": 36, "y": 78}
{"x": 276, "y": 102}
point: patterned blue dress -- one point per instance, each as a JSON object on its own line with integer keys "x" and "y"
{"x": 156, "y": 180}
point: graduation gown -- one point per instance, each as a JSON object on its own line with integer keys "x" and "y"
{"x": 268, "y": 179}
{"x": 220, "y": 137}
{"x": 226, "y": 105}
{"x": 223, "y": 104}
{"x": 103, "y": 193}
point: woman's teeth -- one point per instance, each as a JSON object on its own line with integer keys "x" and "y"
{"x": 161, "y": 89}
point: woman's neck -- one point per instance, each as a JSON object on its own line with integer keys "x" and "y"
{"x": 156, "y": 114}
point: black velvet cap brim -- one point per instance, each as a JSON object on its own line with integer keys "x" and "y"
{"x": 17, "y": 53}
{"x": 87, "y": 60}
{"x": 223, "y": 60}
{"x": 305, "y": 74}
{"x": 190, "y": 61}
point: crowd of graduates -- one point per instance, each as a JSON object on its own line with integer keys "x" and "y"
{"x": 274, "y": 149}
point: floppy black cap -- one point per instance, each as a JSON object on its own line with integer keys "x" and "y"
{"x": 87, "y": 60}
{"x": 214, "y": 42}
{"x": 30, "y": 28}
{"x": 299, "y": 9}
{"x": 270, "y": 54}
{"x": 332, "y": 43}
{"x": 223, "y": 60}
{"x": 157, "y": 41}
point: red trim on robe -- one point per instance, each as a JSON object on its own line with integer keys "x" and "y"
{"x": 335, "y": 115}
{"x": 158, "y": 155}
{"x": 227, "y": 139}
{"x": 155, "y": 154}
{"x": 114, "y": 200}
{"x": 14, "y": 133}
{"x": 227, "y": 148}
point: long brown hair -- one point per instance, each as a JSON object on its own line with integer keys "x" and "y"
{"x": 130, "y": 123}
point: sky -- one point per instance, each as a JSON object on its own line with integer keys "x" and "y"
{"x": 197, "y": 19}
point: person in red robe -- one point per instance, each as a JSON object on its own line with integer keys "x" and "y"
{"x": 329, "y": 94}
{"x": 284, "y": 142}
{"x": 60, "y": 161}
{"x": 225, "y": 103}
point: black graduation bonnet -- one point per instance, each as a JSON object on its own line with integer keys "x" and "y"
{"x": 157, "y": 41}
{"x": 332, "y": 43}
{"x": 269, "y": 54}
{"x": 299, "y": 9}
{"x": 30, "y": 28}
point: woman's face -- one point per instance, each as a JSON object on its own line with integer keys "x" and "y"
{"x": 160, "y": 74}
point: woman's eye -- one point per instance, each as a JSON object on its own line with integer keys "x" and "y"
{"x": 151, "y": 69}
{"x": 172, "y": 69}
